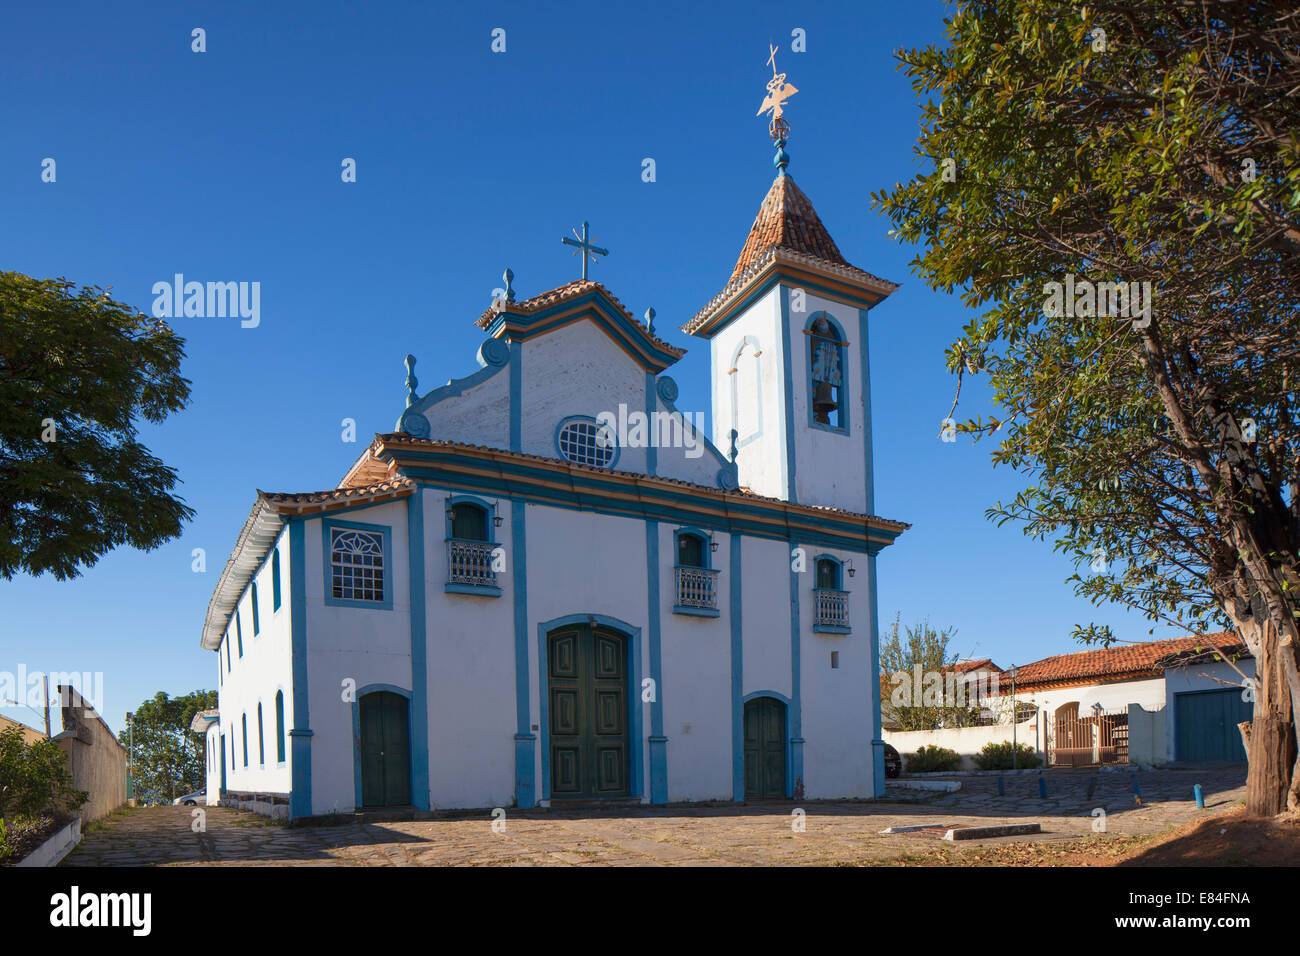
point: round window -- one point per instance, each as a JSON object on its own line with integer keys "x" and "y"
{"x": 586, "y": 442}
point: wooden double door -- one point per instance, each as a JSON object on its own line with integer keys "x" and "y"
{"x": 587, "y": 702}
{"x": 385, "y": 750}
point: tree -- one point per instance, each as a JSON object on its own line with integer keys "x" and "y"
{"x": 1138, "y": 141}
{"x": 919, "y": 689}
{"x": 76, "y": 371}
{"x": 167, "y": 758}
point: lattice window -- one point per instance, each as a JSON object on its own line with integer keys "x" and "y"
{"x": 587, "y": 443}
{"x": 357, "y": 565}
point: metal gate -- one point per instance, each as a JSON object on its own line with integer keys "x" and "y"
{"x": 1094, "y": 739}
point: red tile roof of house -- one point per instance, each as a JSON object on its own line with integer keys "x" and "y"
{"x": 1123, "y": 661}
{"x": 786, "y": 220}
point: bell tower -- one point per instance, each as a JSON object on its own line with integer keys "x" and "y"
{"x": 788, "y": 350}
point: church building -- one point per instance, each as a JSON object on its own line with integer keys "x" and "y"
{"x": 545, "y": 586}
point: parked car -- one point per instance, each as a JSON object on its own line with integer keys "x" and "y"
{"x": 893, "y": 762}
{"x": 191, "y": 799}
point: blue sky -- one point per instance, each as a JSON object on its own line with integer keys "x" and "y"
{"x": 225, "y": 165}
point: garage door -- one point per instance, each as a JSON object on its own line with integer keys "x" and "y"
{"x": 1206, "y": 725}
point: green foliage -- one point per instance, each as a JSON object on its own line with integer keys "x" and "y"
{"x": 998, "y": 757}
{"x": 1170, "y": 153}
{"x": 34, "y": 779}
{"x": 930, "y": 759}
{"x": 902, "y": 650}
{"x": 82, "y": 369}
{"x": 166, "y": 756}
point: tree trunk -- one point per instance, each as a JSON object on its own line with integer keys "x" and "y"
{"x": 1271, "y": 742}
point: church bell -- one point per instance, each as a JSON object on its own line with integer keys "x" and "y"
{"x": 823, "y": 402}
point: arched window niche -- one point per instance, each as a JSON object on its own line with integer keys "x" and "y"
{"x": 828, "y": 405}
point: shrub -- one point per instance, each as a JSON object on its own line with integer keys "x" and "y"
{"x": 998, "y": 757}
{"x": 34, "y": 779}
{"x": 931, "y": 758}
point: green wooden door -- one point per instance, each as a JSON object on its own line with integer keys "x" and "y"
{"x": 587, "y": 700}
{"x": 764, "y": 748}
{"x": 385, "y": 750}
{"x": 1206, "y": 725}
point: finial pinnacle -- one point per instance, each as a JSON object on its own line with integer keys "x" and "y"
{"x": 509, "y": 277}
{"x": 412, "y": 383}
{"x": 650, "y": 320}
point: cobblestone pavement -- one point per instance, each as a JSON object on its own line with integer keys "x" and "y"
{"x": 696, "y": 835}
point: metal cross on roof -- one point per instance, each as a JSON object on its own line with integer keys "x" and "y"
{"x": 585, "y": 247}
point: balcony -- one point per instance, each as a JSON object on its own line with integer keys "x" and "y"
{"x": 469, "y": 567}
{"x": 697, "y": 592}
{"x": 830, "y": 611}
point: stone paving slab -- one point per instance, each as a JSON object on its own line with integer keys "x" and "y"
{"x": 833, "y": 832}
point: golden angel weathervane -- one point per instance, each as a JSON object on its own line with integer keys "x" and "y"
{"x": 778, "y": 91}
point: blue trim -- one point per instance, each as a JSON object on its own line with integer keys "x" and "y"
{"x": 794, "y": 710}
{"x": 791, "y": 487}
{"x": 419, "y": 707}
{"x": 516, "y": 395}
{"x": 525, "y": 740}
{"x": 281, "y": 729}
{"x": 832, "y": 629}
{"x": 356, "y": 738}
{"x": 696, "y": 611}
{"x": 481, "y": 590}
{"x": 842, "y": 429}
{"x": 877, "y": 736}
{"x": 239, "y": 631}
{"x": 594, "y": 491}
{"x": 636, "y": 785}
{"x": 793, "y": 744}
{"x": 261, "y": 739}
{"x": 329, "y": 524}
{"x": 555, "y": 439}
{"x": 705, "y": 542}
{"x": 866, "y": 413}
{"x": 253, "y": 604}
{"x": 300, "y": 735}
{"x": 489, "y": 515}
{"x": 779, "y": 275}
{"x": 658, "y": 742}
{"x": 626, "y": 332}
{"x": 737, "y": 677}
{"x": 276, "y": 598}
{"x": 651, "y": 406}
{"x": 491, "y": 358}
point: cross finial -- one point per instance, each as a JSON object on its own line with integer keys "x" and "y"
{"x": 585, "y": 247}
{"x": 778, "y": 91}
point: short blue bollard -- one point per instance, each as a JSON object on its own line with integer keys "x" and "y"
{"x": 1042, "y": 786}
{"x": 1137, "y": 790}
{"x": 1200, "y": 796}
{"x": 1001, "y": 789}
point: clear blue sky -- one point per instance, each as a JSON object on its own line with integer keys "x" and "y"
{"x": 225, "y": 166}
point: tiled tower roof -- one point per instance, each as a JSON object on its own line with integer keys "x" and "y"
{"x": 786, "y": 220}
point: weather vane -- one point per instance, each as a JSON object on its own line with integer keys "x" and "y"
{"x": 778, "y": 91}
{"x": 585, "y": 247}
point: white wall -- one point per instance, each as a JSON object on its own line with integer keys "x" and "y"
{"x": 265, "y": 668}
{"x": 967, "y": 741}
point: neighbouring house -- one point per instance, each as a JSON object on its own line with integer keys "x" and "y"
{"x": 969, "y": 684}
{"x": 30, "y": 734}
{"x": 547, "y": 585}
{"x": 1147, "y": 703}
{"x": 95, "y": 757}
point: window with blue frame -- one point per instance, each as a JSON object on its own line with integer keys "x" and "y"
{"x": 261, "y": 738}
{"x": 256, "y": 626}
{"x": 244, "y": 727}
{"x": 830, "y": 599}
{"x": 239, "y": 632}
{"x": 358, "y": 566}
{"x": 279, "y": 726}
{"x": 472, "y": 555}
{"x": 696, "y": 581}
{"x": 586, "y": 441}
{"x": 227, "y": 653}
{"x": 826, "y": 374}
{"x": 275, "y": 580}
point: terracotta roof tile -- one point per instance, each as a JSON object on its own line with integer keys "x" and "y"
{"x": 786, "y": 220}
{"x": 1126, "y": 660}
{"x": 394, "y": 487}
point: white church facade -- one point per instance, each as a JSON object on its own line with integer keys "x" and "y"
{"x": 522, "y": 597}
